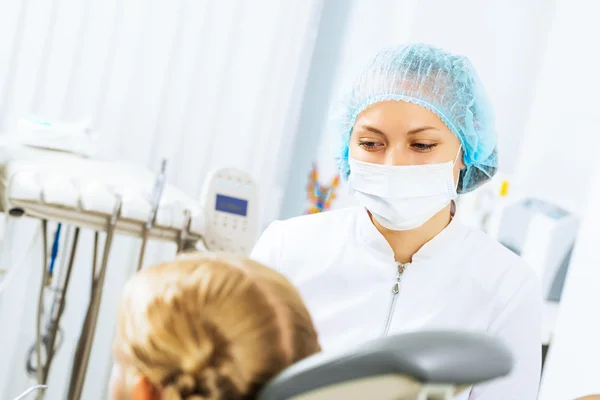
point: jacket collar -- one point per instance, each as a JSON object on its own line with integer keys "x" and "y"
{"x": 446, "y": 241}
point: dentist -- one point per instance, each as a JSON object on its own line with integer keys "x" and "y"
{"x": 417, "y": 130}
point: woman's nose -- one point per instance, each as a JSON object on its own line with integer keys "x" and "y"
{"x": 396, "y": 156}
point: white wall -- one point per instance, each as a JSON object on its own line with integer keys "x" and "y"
{"x": 204, "y": 83}
{"x": 560, "y": 163}
{"x": 562, "y": 139}
{"x": 317, "y": 97}
{"x": 572, "y": 364}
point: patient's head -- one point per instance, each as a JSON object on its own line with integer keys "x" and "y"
{"x": 207, "y": 327}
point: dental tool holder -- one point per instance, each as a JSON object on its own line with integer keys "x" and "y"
{"x": 64, "y": 187}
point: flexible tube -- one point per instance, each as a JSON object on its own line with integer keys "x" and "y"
{"x": 31, "y": 389}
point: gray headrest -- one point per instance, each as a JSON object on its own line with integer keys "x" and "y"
{"x": 429, "y": 357}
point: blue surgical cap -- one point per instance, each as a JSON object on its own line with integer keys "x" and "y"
{"x": 443, "y": 83}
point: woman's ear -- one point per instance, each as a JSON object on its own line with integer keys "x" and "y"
{"x": 143, "y": 389}
{"x": 461, "y": 162}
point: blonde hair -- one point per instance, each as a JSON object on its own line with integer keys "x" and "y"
{"x": 212, "y": 327}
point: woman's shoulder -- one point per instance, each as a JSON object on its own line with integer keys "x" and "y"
{"x": 299, "y": 237}
{"x": 498, "y": 269}
{"x": 319, "y": 223}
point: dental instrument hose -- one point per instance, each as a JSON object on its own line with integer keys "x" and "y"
{"x": 30, "y": 390}
{"x": 54, "y": 323}
{"x": 47, "y": 341}
{"x": 54, "y": 253}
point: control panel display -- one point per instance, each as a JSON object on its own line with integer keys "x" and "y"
{"x": 231, "y": 205}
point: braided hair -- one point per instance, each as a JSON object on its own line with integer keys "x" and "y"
{"x": 212, "y": 327}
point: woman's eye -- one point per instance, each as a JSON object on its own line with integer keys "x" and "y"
{"x": 423, "y": 147}
{"x": 370, "y": 146}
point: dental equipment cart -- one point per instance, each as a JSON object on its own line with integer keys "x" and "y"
{"x": 116, "y": 198}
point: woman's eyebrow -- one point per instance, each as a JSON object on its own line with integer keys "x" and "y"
{"x": 421, "y": 129}
{"x": 372, "y": 129}
{"x": 411, "y": 132}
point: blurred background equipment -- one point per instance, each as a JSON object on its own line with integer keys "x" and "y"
{"x": 320, "y": 197}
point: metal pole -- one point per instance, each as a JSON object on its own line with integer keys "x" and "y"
{"x": 155, "y": 196}
{"x": 84, "y": 346}
{"x": 145, "y": 234}
{"x": 185, "y": 231}
{"x": 95, "y": 260}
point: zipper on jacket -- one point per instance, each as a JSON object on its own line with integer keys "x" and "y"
{"x": 395, "y": 291}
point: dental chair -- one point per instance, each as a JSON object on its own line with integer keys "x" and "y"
{"x": 411, "y": 366}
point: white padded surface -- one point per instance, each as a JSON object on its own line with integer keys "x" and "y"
{"x": 83, "y": 192}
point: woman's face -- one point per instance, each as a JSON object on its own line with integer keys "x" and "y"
{"x": 119, "y": 389}
{"x": 127, "y": 385}
{"x": 402, "y": 133}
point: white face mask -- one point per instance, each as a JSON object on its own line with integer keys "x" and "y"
{"x": 403, "y": 197}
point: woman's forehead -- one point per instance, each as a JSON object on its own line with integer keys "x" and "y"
{"x": 399, "y": 116}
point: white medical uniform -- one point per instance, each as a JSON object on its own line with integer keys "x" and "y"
{"x": 460, "y": 280}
